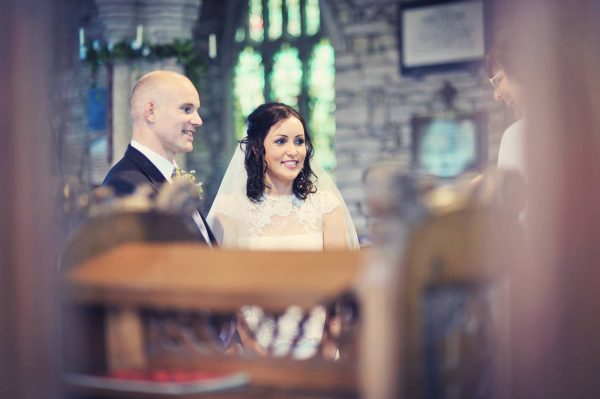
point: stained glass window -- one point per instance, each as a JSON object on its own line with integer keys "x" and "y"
{"x": 285, "y": 57}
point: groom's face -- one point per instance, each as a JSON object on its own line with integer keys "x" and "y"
{"x": 177, "y": 117}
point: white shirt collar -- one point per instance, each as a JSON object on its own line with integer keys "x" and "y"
{"x": 165, "y": 166}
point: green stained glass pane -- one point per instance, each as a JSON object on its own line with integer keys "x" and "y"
{"x": 275, "y": 19}
{"x": 255, "y": 20}
{"x": 240, "y": 35}
{"x": 293, "y": 12}
{"x": 321, "y": 90}
{"x": 313, "y": 17}
{"x": 248, "y": 87}
{"x": 286, "y": 78}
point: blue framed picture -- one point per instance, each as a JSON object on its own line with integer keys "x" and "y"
{"x": 449, "y": 146}
{"x": 97, "y": 108}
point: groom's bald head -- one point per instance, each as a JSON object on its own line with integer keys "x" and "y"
{"x": 153, "y": 87}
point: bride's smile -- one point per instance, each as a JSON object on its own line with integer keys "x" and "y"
{"x": 290, "y": 164}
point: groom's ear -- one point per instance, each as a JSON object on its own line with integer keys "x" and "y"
{"x": 150, "y": 112}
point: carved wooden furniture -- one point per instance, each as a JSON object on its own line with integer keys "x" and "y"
{"x": 150, "y": 307}
{"x": 447, "y": 299}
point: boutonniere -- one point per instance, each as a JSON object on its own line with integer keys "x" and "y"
{"x": 190, "y": 177}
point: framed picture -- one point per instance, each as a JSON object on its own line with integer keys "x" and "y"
{"x": 442, "y": 34}
{"x": 446, "y": 147}
{"x": 97, "y": 108}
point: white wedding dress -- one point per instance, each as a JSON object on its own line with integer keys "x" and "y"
{"x": 281, "y": 223}
{"x": 278, "y": 223}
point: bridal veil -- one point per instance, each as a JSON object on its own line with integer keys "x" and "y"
{"x": 228, "y": 215}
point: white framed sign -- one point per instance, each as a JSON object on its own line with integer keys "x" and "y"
{"x": 441, "y": 33}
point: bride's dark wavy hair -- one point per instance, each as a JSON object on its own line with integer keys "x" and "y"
{"x": 260, "y": 121}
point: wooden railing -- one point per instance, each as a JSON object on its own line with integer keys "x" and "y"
{"x": 112, "y": 300}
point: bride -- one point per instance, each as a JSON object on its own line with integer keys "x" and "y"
{"x": 272, "y": 198}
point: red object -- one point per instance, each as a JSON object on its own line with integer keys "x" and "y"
{"x": 162, "y": 375}
{"x": 172, "y": 382}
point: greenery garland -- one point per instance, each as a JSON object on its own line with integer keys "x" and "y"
{"x": 96, "y": 54}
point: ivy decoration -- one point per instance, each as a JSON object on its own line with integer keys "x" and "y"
{"x": 98, "y": 54}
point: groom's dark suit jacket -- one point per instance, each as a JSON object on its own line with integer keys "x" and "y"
{"x": 135, "y": 169}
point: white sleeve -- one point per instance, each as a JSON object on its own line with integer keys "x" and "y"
{"x": 326, "y": 202}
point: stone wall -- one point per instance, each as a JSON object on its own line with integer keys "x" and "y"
{"x": 374, "y": 102}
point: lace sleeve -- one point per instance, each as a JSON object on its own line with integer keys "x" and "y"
{"x": 326, "y": 202}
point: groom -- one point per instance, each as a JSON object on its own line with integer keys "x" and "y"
{"x": 164, "y": 114}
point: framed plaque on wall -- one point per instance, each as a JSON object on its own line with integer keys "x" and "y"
{"x": 449, "y": 146}
{"x": 442, "y": 34}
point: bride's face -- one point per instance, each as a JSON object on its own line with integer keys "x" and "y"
{"x": 285, "y": 151}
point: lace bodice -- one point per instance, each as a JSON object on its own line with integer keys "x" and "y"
{"x": 278, "y": 222}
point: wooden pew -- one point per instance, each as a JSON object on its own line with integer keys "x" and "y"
{"x": 436, "y": 303}
{"x": 145, "y": 306}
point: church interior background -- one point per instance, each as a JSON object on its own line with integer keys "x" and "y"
{"x": 341, "y": 64}
{"x": 337, "y": 62}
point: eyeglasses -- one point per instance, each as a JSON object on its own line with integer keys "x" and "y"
{"x": 496, "y": 79}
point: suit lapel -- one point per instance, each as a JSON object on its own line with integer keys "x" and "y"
{"x": 156, "y": 179}
{"x": 154, "y": 176}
